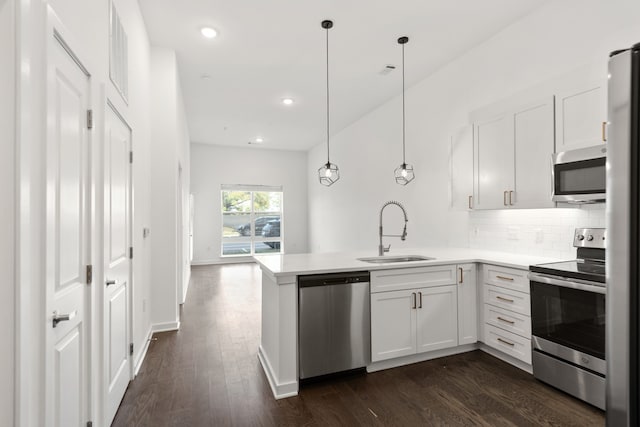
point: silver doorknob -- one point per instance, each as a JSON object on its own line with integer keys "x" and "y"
{"x": 111, "y": 282}
{"x": 57, "y": 318}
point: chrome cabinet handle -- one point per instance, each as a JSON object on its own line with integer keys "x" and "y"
{"x": 461, "y": 275}
{"x": 504, "y": 197}
{"x": 420, "y": 293}
{"x": 505, "y": 278}
{"x": 511, "y": 197}
{"x": 413, "y": 295}
{"x": 604, "y": 131}
{"x": 506, "y": 342}
{"x": 111, "y": 282}
{"x": 57, "y": 318}
{"x": 504, "y": 299}
{"x": 470, "y": 202}
{"x": 511, "y": 322}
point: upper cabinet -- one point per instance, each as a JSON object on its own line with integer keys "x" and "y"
{"x": 512, "y": 148}
{"x": 581, "y": 116}
{"x": 461, "y": 169}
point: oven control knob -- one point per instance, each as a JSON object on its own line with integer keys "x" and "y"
{"x": 589, "y": 237}
{"x": 580, "y": 237}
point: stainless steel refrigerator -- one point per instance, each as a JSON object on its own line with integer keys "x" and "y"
{"x": 623, "y": 247}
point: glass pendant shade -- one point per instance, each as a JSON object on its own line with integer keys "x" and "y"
{"x": 328, "y": 174}
{"x": 404, "y": 174}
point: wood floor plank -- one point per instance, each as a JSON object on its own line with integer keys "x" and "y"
{"x": 208, "y": 374}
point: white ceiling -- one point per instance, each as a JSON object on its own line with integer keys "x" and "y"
{"x": 267, "y": 50}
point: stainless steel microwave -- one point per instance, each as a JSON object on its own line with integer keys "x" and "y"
{"x": 579, "y": 176}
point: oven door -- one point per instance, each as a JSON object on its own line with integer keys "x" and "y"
{"x": 579, "y": 176}
{"x": 568, "y": 320}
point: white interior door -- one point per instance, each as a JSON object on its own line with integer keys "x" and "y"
{"x": 67, "y": 236}
{"x": 117, "y": 238}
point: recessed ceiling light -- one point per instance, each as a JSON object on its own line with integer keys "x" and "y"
{"x": 208, "y": 32}
{"x": 259, "y": 140}
{"x": 287, "y": 101}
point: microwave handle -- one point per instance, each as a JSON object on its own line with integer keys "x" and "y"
{"x": 540, "y": 278}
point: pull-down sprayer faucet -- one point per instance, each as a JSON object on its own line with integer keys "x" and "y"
{"x": 403, "y": 236}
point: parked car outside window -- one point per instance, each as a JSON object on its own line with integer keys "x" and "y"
{"x": 272, "y": 229}
{"x": 245, "y": 229}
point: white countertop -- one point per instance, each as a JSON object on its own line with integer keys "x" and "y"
{"x": 299, "y": 264}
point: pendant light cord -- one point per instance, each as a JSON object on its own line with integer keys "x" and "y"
{"x": 403, "y": 113}
{"x": 328, "y": 161}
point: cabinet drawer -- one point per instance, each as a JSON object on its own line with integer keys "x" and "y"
{"x": 411, "y": 278}
{"x": 510, "y": 278}
{"x": 508, "y": 343}
{"x": 508, "y": 320}
{"x": 508, "y": 299}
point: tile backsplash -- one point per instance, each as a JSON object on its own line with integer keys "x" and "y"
{"x": 541, "y": 232}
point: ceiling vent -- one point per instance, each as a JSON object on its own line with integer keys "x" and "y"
{"x": 387, "y": 69}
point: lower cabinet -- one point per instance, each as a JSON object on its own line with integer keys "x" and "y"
{"x": 413, "y": 321}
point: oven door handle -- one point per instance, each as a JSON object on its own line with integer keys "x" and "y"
{"x": 540, "y": 278}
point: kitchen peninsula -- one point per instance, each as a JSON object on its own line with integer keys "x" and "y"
{"x": 486, "y": 287}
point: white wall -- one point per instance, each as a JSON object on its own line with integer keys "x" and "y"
{"x": 212, "y": 166}
{"x": 169, "y": 152}
{"x": 7, "y": 195}
{"x": 550, "y": 42}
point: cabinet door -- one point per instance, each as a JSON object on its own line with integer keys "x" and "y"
{"x": 533, "y": 144}
{"x": 462, "y": 169}
{"x": 493, "y": 161}
{"x": 467, "y": 304}
{"x": 580, "y": 114}
{"x": 393, "y": 324}
{"x": 437, "y": 320}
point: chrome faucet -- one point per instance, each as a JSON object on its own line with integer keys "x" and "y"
{"x": 403, "y": 236}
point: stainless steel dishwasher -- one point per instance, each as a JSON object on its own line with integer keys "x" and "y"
{"x": 334, "y": 323}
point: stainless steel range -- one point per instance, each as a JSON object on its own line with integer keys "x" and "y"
{"x": 568, "y": 320}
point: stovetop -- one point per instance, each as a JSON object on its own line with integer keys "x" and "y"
{"x": 590, "y": 270}
{"x": 590, "y": 264}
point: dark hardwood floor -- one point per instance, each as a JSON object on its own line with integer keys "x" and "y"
{"x": 208, "y": 374}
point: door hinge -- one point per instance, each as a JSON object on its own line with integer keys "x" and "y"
{"x": 89, "y": 274}
{"x": 89, "y": 119}
{"x": 131, "y": 349}
{"x": 130, "y": 156}
{"x": 130, "y": 252}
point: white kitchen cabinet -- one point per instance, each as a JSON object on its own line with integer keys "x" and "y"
{"x": 413, "y": 321}
{"x": 512, "y": 155}
{"x": 397, "y": 279}
{"x": 493, "y": 162}
{"x": 461, "y": 169}
{"x": 581, "y": 114}
{"x": 467, "y": 304}
{"x": 437, "y": 320}
{"x": 393, "y": 324}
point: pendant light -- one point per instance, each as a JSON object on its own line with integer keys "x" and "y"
{"x": 328, "y": 173}
{"x": 403, "y": 173}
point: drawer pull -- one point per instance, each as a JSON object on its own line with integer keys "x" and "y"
{"x": 504, "y": 299}
{"x": 511, "y": 322}
{"x": 505, "y": 278}
{"x": 413, "y": 297}
{"x": 506, "y": 342}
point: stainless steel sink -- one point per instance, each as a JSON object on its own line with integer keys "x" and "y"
{"x": 399, "y": 258}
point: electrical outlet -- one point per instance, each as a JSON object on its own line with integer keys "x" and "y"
{"x": 144, "y": 305}
{"x": 539, "y": 235}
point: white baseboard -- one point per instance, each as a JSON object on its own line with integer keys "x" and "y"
{"x": 280, "y": 391}
{"x": 422, "y": 357}
{"x": 506, "y": 358}
{"x": 138, "y": 362}
{"x": 224, "y": 261}
{"x": 165, "y": 327}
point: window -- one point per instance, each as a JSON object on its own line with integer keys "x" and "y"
{"x": 251, "y": 220}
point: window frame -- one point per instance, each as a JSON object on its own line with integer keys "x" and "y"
{"x": 252, "y": 239}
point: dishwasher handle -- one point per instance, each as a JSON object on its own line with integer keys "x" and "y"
{"x": 333, "y": 279}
